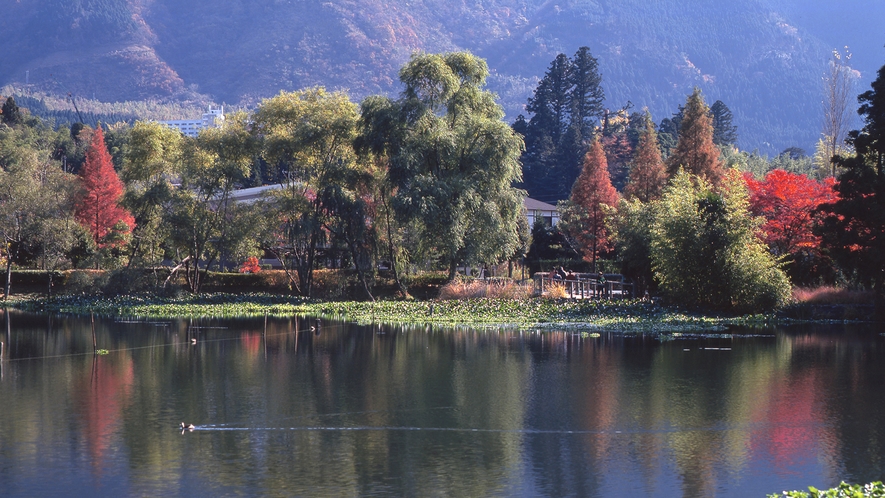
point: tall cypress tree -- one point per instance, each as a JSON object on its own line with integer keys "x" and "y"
{"x": 99, "y": 207}
{"x": 647, "y": 175}
{"x": 586, "y": 96}
{"x": 584, "y": 215}
{"x": 695, "y": 151}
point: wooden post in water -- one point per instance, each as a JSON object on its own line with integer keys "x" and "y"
{"x": 94, "y": 344}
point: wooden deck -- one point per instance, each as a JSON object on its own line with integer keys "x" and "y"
{"x": 585, "y": 288}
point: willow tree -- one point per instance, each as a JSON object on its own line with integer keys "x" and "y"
{"x": 452, "y": 160}
{"x": 152, "y": 157}
{"x": 309, "y": 134}
{"x": 204, "y": 224}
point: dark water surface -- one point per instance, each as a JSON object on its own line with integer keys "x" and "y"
{"x": 361, "y": 411}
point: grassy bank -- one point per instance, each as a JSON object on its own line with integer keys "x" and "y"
{"x": 626, "y": 316}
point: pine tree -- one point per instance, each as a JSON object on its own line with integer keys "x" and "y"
{"x": 584, "y": 216}
{"x": 724, "y": 132}
{"x": 695, "y": 151}
{"x": 565, "y": 108}
{"x": 98, "y": 208}
{"x": 11, "y": 114}
{"x": 586, "y": 96}
{"x": 647, "y": 176}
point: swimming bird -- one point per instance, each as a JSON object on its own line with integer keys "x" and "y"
{"x": 193, "y": 341}
{"x": 188, "y": 427}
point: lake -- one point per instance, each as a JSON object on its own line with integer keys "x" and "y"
{"x": 344, "y": 410}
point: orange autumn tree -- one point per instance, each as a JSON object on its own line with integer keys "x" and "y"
{"x": 98, "y": 207}
{"x": 788, "y": 202}
{"x": 695, "y": 151}
{"x": 647, "y": 175}
{"x": 584, "y": 213}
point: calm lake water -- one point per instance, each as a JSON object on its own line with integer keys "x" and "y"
{"x": 416, "y": 411}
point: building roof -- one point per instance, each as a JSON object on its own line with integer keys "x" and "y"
{"x": 536, "y": 205}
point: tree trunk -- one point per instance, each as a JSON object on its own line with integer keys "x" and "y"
{"x": 453, "y": 269}
{"x": 354, "y": 254}
{"x": 8, "y": 274}
{"x": 393, "y": 259}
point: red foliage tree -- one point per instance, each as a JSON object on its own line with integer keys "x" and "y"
{"x": 250, "y": 265}
{"x": 788, "y": 202}
{"x": 647, "y": 176}
{"x": 695, "y": 151}
{"x": 98, "y": 208}
{"x": 586, "y": 215}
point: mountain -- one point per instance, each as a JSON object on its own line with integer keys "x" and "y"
{"x": 754, "y": 55}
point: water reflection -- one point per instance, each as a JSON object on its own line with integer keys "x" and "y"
{"x": 379, "y": 410}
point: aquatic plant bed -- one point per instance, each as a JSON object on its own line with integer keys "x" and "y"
{"x": 539, "y": 313}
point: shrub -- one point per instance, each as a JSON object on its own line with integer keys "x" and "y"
{"x": 556, "y": 290}
{"x": 83, "y": 281}
{"x": 705, "y": 250}
{"x": 470, "y": 289}
{"x": 844, "y": 490}
{"x": 831, "y": 295}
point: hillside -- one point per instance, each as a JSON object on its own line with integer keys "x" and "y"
{"x": 751, "y": 54}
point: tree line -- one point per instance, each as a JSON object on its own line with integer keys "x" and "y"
{"x": 699, "y": 221}
{"x": 423, "y": 179}
{"x": 434, "y": 178}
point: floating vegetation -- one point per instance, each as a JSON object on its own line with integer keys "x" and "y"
{"x": 580, "y": 316}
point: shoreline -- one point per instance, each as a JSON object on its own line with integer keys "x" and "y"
{"x": 633, "y": 316}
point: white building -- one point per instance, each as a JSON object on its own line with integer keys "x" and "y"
{"x": 191, "y": 127}
{"x": 537, "y": 210}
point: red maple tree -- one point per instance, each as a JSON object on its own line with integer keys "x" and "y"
{"x": 787, "y": 201}
{"x": 591, "y": 191}
{"x": 98, "y": 207}
{"x": 250, "y": 265}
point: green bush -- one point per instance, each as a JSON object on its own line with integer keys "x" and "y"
{"x": 844, "y": 490}
{"x": 705, "y": 251}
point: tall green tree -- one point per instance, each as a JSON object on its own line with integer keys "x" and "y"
{"x": 310, "y": 135}
{"x": 853, "y": 229}
{"x": 565, "y": 109}
{"x": 152, "y": 158}
{"x": 705, "y": 248}
{"x": 10, "y": 114}
{"x": 724, "y": 131}
{"x": 452, "y": 160}
{"x": 695, "y": 151}
{"x": 36, "y": 202}
{"x": 204, "y": 223}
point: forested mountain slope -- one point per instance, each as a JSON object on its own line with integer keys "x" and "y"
{"x": 751, "y": 54}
